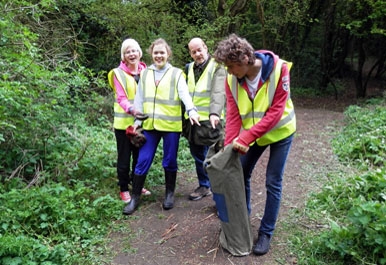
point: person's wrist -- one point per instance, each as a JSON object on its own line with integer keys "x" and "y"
{"x": 214, "y": 117}
{"x": 189, "y": 111}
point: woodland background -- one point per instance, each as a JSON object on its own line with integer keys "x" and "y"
{"x": 57, "y": 148}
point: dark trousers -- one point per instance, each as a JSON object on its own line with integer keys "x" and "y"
{"x": 127, "y": 153}
{"x": 199, "y": 153}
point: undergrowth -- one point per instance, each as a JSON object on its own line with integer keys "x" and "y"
{"x": 348, "y": 216}
{"x": 54, "y": 224}
{"x": 58, "y": 186}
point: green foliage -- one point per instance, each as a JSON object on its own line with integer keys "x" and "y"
{"x": 365, "y": 17}
{"x": 351, "y": 207}
{"x": 55, "y": 225}
{"x": 354, "y": 207}
{"x": 39, "y": 119}
{"x": 54, "y": 128}
{"x": 56, "y": 113}
{"x": 185, "y": 160}
{"x": 275, "y": 23}
{"x": 27, "y": 250}
{"x": 304, "y": 92}
{"x": 363, "y": 140}
{"x": 42, "y": 110}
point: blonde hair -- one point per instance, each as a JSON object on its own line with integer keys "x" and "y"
{"x": 130, "y": 42}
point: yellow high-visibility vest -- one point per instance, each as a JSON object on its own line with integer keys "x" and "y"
{"x": 162, "y": 102}
{"x": 122, "y": 119}
{"x": 252, "y": 112}
{"x": 201, "y": 91}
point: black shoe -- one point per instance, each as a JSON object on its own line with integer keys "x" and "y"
{"x": 262, "y": 244}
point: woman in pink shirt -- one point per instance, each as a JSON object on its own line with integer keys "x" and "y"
{"x": 124, "y": 80}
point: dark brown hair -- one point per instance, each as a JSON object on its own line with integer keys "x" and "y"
{"x": 233, "y": 49}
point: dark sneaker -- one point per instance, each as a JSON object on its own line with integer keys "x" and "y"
{"x": 199, "y": 193}
{"x": 262, "y": 244}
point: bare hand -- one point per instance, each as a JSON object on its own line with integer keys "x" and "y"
{"x": 195, "y": 119}
{"x": 214, "y": 120}
{"x": 242, "y": 149}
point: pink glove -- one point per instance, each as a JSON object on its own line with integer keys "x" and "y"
{"x": 137, "y": 138}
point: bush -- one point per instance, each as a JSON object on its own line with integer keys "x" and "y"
{"x": 356, "y": 212}
{"x": 363, "y": 139}
{"x": 57, "y": 224}
{"x": 351, "y": 207}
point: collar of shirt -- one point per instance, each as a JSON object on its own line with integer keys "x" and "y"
{"x": 253, "y": 85}
{"x": 198, "y": 69}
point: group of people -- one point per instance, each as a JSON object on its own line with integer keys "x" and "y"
{"x": 259, "y": 114}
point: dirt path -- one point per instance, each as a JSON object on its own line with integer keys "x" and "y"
{"x": 188, "y": 234}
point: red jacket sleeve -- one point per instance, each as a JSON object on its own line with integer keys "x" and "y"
{"x": 273, "y": 113}
{"x": 233, "y": 120}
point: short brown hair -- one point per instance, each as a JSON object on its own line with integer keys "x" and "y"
{"x": 233, "y": 49}
{"x": 160, "y": 41}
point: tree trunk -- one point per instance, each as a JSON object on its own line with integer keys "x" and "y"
{"x": 221, "y": 7}
{"x": 328, "y": 45}
{"x": 260, "y": 15}
{"x": 360, "y": 90}
{"x": 381, "y": 65}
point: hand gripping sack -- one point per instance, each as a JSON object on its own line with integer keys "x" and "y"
{"x": 226, "y": 177}
{"x": 137, "y": 138}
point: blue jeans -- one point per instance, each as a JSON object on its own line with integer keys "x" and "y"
{"x": 198, "y": 153}
{"x": 273, "y": 180}
{"x": 148, "y": 150}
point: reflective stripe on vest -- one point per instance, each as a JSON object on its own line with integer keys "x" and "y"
{"x": 253, "y": 112}
{"x": 122, "y": 119}
{"x": 162, "y": 102}
{"x": 201, "y": 91}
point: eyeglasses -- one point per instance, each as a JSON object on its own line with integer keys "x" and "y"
{"x": 131, "y": 51}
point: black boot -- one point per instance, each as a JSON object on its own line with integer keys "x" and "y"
{"x": 138, "y": 182}
{"x": 131, "y": 177}
{"x": 170, "y": 185}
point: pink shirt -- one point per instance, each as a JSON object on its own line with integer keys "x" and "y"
{"x": 123, "y": 101}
